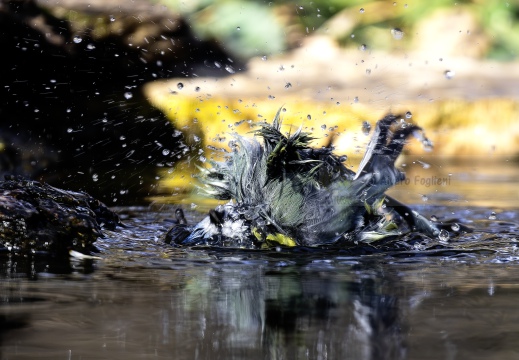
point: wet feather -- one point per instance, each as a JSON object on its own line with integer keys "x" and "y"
{"x": 282, "y": 188}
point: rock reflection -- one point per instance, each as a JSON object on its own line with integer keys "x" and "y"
{"x": 33, "y": 267}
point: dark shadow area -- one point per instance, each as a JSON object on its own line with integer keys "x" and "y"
{"x": 72, "y": 112}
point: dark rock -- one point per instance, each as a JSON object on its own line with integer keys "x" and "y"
{"x": 36, "y": 217}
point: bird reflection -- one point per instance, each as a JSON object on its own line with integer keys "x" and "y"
{"x": 378, "y": 325}
{"x": 323, "y": 318}
{"x": 295, "y": 312}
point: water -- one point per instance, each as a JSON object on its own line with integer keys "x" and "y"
{"x": 410, "y": 298}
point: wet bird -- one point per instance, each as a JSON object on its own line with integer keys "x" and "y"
{"x": 283, "y": 192}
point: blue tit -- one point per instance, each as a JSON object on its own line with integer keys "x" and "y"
{"x": 283, "y": 192}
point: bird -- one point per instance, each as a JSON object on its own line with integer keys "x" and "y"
{"x": 282, "y": 192}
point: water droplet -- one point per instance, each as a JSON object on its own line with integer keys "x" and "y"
{"x": 363, "y": 47}
{"x": 180, "y": 86}
{"x": 368, "y": 71}
{"x": 230, "y": 69}
{"x": 361, "y": 10}
{"x": 238, "y": 28}
{"x": 449, "y": 74}
{"x": 194, "y": 206}
{"x": 309, "y": 117}
{"x": 77, "y": 39}
{"x": 425, "y": 198}
{"x": 343, "y": 158}
{"x": 366, "y": 128}
{"x": 197, "y": 89}
{"x": 128, "y": 95}
{"x": 443, "y": 235}
{"x": 112, "y": 18}
{"x": 427, "y": 144}
{"x": 288, "y": 85}
{"x": 356, "y": 99}
{"x": 408, "y": 115}
{"x": 217, "y": 64}
{"x": 95, "y": 177}
{"x": 424, "y": 164}
{"x": 264, "y": 58}
{"x": 434, "y": 218}
{"x": 492, "y": 216}
{"x": 91, "y": 46}
{"x": 397, "y": 33}
{"x": 455, "y": 227}
{"x": 165, "y": 152}
{"x": 69, "y": 130}
{"x": 323, "y": 126}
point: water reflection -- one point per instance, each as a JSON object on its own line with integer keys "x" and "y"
{"x": 294, "y": 312}
{"x": 229, "y": 309}
{"x": 322, "y": 318}
{"x": 274, "y": 307}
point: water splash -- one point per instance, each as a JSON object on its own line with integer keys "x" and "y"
{"x": 444, "y": 236}
{"x": 449, "y": 74}
{"x": 397, "y": 33}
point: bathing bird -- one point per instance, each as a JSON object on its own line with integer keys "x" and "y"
{"x": 283, "y": 192}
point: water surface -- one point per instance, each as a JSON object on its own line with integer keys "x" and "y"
{"x": 143, "y": 299}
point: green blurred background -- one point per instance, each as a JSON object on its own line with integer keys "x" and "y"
{"x": 252, "y": 28}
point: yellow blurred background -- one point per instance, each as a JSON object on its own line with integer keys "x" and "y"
{"x": 335, "y": 66}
